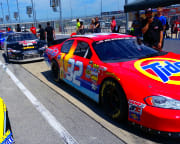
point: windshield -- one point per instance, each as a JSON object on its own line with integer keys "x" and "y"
{"x": 123, "y": 50}
{"x": 21, "y": 37}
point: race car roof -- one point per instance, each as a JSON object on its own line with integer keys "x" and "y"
{"x": 103, "y": 36}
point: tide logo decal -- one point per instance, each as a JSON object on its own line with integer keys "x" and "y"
{"x": 165, "y": 70}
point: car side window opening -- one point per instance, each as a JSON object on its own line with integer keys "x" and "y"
{"x": 83, "y": 50}
{"x": 66, "y": 46}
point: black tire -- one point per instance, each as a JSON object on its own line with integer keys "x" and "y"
{"x": 7, "y": 57}
{"x": 55, "y": 71}
{"x": 114, "y": 100}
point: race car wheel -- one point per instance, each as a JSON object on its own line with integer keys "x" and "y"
{"x": 55, "y": 70}
{"x": 114, "y": 100}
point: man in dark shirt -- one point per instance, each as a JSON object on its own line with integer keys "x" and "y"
{"x": 50, "y": 34}
{"x": 97, "y": 27}
{"x": 152, "y": 30}
{"x": 41, "y": 33}
{"x": 18, "y": 29}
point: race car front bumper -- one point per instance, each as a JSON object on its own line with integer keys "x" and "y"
{"x": 159, "y": 120}
{"x": 26, "y": 60}
{"x": 25, "y": 57}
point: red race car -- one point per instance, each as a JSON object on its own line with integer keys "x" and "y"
{"x": 131, "y": 81}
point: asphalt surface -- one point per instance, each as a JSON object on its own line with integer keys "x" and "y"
{"x": 30, "y": 127}
{"x": 81, "y": 117}
{"x": 172, "y": 45}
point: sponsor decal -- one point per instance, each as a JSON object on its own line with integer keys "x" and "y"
{"x": 29, "y": 47}
{"x": 135, "y": 109}
{"x": 165, "y": 70}
{"x": 94, "y": 87}
{"x": 88, "y": 72}
{"x": 28, "y": 43}
{"x": 91, "y": 73}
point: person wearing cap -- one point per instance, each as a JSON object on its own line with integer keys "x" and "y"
{"x": 152, "y": 30}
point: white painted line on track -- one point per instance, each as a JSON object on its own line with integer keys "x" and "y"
{"x": 64, "y": 134}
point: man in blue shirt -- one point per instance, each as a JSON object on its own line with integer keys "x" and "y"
{"x": 162, "y": 18}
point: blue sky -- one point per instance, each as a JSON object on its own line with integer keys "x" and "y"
{"x": 74, "y": 8}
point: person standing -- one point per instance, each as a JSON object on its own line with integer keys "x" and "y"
{"x": 18, "y": 29}
{"x": 49, "y": 34}
{"x": 77, "y": 26}
{"x": 176, "y": 28}
{"x": 172, "y": 29}
{"x": 152, "y": 30}
{"x": 91, "y": 28}
{"x": 137, "y": 26}
{"x": 41, "y": 33}
{"x": 33, "y": 29}
{"x": 81, "y": 28}
{"x": 113, "y": 24}
{"x": 97, "y": 27}
{"x": 9, "y": 29}
{"x": 162, "y": 18}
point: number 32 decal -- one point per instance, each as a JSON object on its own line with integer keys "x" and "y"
{"x": 72, "y": 74}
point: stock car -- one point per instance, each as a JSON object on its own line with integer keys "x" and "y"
{"x": 6, "y": 136}
{"x": 24, "y": 47}
{"x": 129, "y": 79}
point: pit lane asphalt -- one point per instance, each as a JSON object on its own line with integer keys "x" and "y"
{"x": 29, "y": 127}
{"x": 80, "y": 116}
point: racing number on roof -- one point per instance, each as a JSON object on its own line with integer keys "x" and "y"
{"x": 72, "y": 73}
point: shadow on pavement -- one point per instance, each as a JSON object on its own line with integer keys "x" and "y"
{"x": 99, "y": 111}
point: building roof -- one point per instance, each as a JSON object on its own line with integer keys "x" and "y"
{"x": 144, "y": 4}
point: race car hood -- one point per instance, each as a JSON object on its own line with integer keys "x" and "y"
{"x": 158, "y": 75}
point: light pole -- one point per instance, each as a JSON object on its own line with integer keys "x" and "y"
{"x": 2, "y": 12}
{"x": 71, "y": 13}
{"x": 18, "y": 10}
{"x": 71, "y": 8}
{"x": 60, "y": 12}
{"x": 126, "y": 2}
{"x": 101, "y": 8}
{"x": 34, "y": 15}
{"x": 9, "y": 11}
